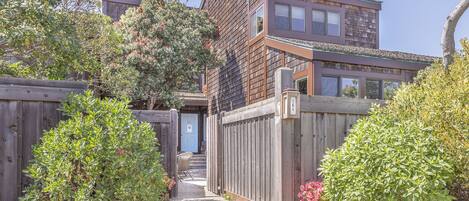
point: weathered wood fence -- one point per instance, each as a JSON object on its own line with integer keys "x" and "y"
{"x": 165, "y": 124}
{"x": 265, "y": 157}
{"x": 28, "y": 107}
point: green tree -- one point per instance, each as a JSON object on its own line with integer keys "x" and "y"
{"x": 101, "y": 152}
{"x": 55, "y": 39}
{"x": 36, "y": 39}
{"x": 168, "y": 45}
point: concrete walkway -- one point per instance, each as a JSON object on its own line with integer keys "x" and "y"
{"x": 195, "y": 188}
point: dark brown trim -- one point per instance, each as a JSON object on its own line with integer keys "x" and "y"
{"x": 256, "y": 39}
{"x": 129, "y": 2}
{"x": 366, "y": 60}
{"x": 250, "y": 13}
{"x": 300, "y": 51}
{"x": 310, "y": 78}
{"x": 308, "y": 34}
{"x": 307, "y": 73}
{"x": 265, "y": 72}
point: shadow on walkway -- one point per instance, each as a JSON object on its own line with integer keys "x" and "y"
{"x": 195, "y": 188}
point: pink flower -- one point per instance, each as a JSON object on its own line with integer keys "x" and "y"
{"x": 310, "y": 191}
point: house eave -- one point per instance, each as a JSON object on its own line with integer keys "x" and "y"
{"x": 322, "y": 55}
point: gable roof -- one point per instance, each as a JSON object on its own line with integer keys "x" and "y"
{"x": 356, "y": 51}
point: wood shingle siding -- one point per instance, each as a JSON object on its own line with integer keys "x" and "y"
{"x": 227, "y": 84}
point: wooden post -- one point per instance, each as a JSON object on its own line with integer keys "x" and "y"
{"x": 220, "y": 153}
{"x": 173, "y": 144}
{"x": 283, "y": 144}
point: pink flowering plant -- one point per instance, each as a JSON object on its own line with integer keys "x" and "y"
{"x": 311, "y": 191}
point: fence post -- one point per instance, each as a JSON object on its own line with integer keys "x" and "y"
{"x": 220, "y": 154}
{"x": 173, "y": 144}
{"x": 284, "y": 144}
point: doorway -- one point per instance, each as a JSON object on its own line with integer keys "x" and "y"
{"x": 189, "y": 133}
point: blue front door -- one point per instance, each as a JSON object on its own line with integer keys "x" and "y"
{"x": 189, "y": 132}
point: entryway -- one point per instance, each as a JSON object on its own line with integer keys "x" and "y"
{"x": 189, "y": 132}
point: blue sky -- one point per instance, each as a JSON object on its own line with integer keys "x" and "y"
{"x": 412, "y": 25}
{"x": 416, "y": 25}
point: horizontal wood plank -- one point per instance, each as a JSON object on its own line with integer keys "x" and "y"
{"x": 152, "y": 116}
{"x": 34, "y": 93}
{"x": 43, "y": 83}
{"x": 259, "y": 109}
{"x": 325, "y": 104}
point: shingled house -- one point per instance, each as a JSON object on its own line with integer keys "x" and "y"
{"x": 332, "y": 46}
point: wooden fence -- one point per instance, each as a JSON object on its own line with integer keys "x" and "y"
{"x": 266, "y": 157}
{"x": 28, "y": 107}
{"x": 165, "y": 124}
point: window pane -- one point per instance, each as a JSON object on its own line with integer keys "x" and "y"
{"x": 329, "y": 86}
{"x": 282, "y": 16}
{"x": 319, "y": 22}
{"x": 260, "y": 19}
{"x": 257, "y": 21}
{"x": 333, "y": 24}
{"x": 298, "y": 19}
{"x": 302, "y": 85}
{"x": 349, "y": 87}
{"x": 373, "y": 89}
{"x": 390, "y": 88}
{"x": 253, "y": 25}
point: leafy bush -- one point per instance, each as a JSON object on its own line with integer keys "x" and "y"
{"x": 440, "y": 100}
{"x": 100, "y": 153}
{"x": 385, "y": 158}
{"x": 311, "y": 191}
{"x": 412, "y": 148}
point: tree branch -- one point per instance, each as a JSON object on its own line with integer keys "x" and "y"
{"x": 447, "y": 39}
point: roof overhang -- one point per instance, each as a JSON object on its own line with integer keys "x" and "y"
{"x": 193, "y": 99}
{"x": 309, "y": 53}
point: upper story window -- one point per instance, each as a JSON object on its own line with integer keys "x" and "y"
{"x": 290, "y": 18}
{"x": 298, "y": 19}
{"x": 326, "y": 23}
{"x": 282, "y": 17}
{"x": 257, "y": 21}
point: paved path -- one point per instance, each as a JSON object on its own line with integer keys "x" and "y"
{"x": 195, "y": 188}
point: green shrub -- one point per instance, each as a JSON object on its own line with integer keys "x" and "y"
{"x": 387, "y": 159}
{"x": 441, "y": 101}
{"x": 100, "y": 153}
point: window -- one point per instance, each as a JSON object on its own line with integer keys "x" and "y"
{"x": 257, "y": 21}
{"x": 349, "y": 87}
{"x": 389, "y": 89}
{"x": 333, "y": 24}
{"x": 302, "y": 85}
{"x": 329, "y": 86}
{"x": 326, "y": 23}
{"x": 319, "y": 22}
{"x": 282, "y": 17}
{"x": 298, "y": 19}
{"x": 373, "y": 89}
